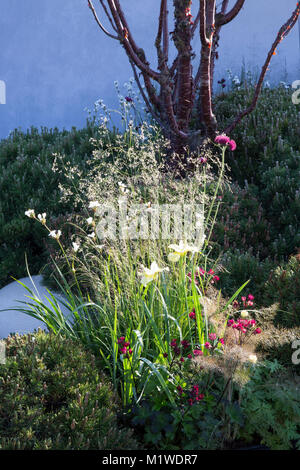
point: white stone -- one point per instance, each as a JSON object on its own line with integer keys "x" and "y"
{"x": 19, "y": 322}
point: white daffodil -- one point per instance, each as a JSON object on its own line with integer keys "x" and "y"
{"x": 94, "y": 205}
{"x": 42, "y": 218}
{"x": 148, "y": 275}
{"x": 90, "y": 220}
{"x": 55, "y": 234}
{"x": 76, "y": 246}
{"x": 30, "y": 213}
{"x": 244, "y": 314}
{"x": 252, "y": 358}
{"x": 183, "y": 248}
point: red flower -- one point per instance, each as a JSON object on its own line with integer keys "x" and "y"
{"x": 232, "y": 145}
{"x": 192, "y": 314}
{"x": 222, "y": 139}
{"x": 197, "y": 352}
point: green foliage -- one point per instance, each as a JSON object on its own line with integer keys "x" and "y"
{"x": 178, "y": 428}
{"x": 267, "y": 162}
{"x": 53, "y": 396}
{"x": 243, "y": 265}
{"x": 27, "y": 180}
{"x": 283, "y": 287}
{"x": 271, "y": 405}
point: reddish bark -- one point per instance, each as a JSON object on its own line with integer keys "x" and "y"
{"x": 172, "y": 106}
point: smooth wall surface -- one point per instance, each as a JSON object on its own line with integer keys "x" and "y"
{"x": 55, "y": 61}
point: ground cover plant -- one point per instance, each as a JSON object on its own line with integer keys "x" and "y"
{"x": 54, "y": 397}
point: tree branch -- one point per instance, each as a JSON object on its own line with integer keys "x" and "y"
{"x": 283, "y": 32}
{"x": 108, "y": 15}
{"x": 91, "y": 6}
{"x": 203, "y": 37}
{"x": 222, "y": 18}
{"x": 127, "y": 40}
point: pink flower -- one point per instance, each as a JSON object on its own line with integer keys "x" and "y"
{"x": 251, "y": 297}
{"x": 192, "y": 315}
{"x": 222, "y": 139}
{"x": 222, "y": 340}
{"x": 197, "y": 352}
{"x": 207, "y": 345}
{"x": 257, "y": 331}
{"x": 232, "y": 145}
{"x": 212, "y": 336}
{"x": 203, "y": 160}
{"x": 201, "y": 272}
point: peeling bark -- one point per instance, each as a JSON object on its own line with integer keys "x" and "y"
{"x": 173, "y": 104}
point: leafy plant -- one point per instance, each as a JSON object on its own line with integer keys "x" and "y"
{"x": 53, "y": 396}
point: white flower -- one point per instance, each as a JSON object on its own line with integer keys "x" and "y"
{"x": 94, "y": 205}
{"x": 183, "y": 248}
{"x": 90, "y": 220}
{"x": 244, "y": 314}
{"x": 55, "y": 234}
{"x": 173, "y": 257}
{"x": 236, "y": 80}
{"x": 100, "y": 247}
{"x": 42, "y": 218}
{"x": 149, "y": 275}
{"x": 30, "y": 213}
{"x": 123, "y": 188}
{"x": 92, "y": 235}
{"x": 76, "y": 246}
{"x": 252, "y": 358}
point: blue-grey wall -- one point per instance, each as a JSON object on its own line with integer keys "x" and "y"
{"x": 56, "y": 62}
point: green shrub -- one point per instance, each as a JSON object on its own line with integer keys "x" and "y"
{"x": 271, "y": 406}
{"x": 169, "y": 428}
{"x": 53, "y": 397}
{"x": 283, "y": 287}
{"x": 267, "y": 162}
{"x": 27, "y": 180}
{"x": 241, "y": 266}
